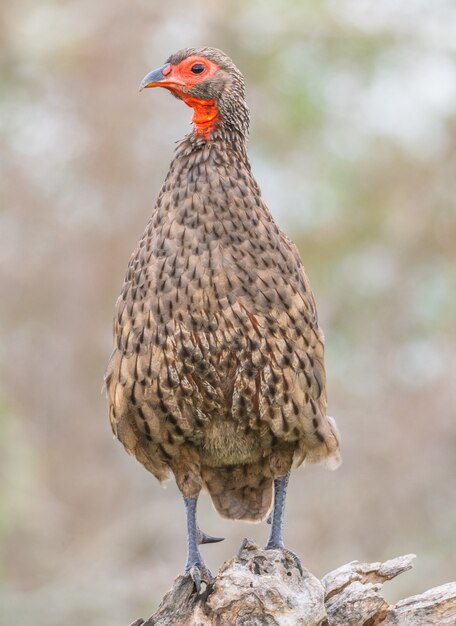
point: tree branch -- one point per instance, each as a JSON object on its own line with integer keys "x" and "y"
{"x": 264, "y": 588}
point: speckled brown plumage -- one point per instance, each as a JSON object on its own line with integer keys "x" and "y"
{"x": 218, "y": 372}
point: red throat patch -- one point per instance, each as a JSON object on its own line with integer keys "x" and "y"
{"x": 205, "y": 114}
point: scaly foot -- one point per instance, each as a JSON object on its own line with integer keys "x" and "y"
{"x": 199, "y": 573}
{"x": 294, "y": 557}
{"x": 195, "y": 566}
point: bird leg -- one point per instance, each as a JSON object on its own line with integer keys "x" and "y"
{"x": 195, "y": 565}
{"x": 275, "y": 541}
{"x": 280, "y": 491}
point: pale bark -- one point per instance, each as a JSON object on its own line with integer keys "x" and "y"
{"x": 264, "y": 588}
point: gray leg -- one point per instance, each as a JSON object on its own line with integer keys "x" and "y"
{"x": 195, "y": 565}
{"x": 280, "y": 491}
{"x": 275, "y": 541}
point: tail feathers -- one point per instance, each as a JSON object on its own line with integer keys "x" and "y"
{"x": 240, "y": 492}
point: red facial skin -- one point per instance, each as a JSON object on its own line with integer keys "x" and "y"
{"x": 177, "y": 76}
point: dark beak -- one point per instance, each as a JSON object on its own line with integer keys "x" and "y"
{"x": 161, "y": 77}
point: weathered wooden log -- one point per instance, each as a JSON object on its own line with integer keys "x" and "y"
{"x": 265, "y": 588}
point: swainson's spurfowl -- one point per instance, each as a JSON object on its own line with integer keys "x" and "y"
{"x": 217, "y": 374}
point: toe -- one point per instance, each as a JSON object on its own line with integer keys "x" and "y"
{"x": 199, "y": 573}
{"x": 196, "y": 577}
{"x": 294, "y": 557}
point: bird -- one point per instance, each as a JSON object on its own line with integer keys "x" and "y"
{"x": 217, "y": 374}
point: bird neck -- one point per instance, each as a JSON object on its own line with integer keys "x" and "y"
{"x": 213, "y": 118}
{"x": 205, "y": 118}
{"x": 195, "y": 152}
{"x": 217, "y": 139}
{"x": 205, "y": 114}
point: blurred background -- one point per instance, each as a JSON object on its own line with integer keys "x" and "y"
{"x": 353, "y": 142}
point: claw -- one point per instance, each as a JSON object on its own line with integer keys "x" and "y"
{"x": 203, "y": 538}
{"x": 199, "y": 573}
{"x": 269, "y": 519}
{"x": 196, "y": 577}
{"x": 294, "y": 557}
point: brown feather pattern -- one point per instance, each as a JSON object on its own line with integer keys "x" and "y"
{"x": 218, "y": 369}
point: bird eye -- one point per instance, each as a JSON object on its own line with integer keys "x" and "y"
{"x": 197, "y": 68}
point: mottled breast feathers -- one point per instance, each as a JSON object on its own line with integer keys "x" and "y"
{"x": 218, "y": 351}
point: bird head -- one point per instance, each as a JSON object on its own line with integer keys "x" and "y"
{"x": 209, "y": 82}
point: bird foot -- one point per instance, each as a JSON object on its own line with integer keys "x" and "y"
{"x": 294, "y": 557}
{"x": 199, "y": 573}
